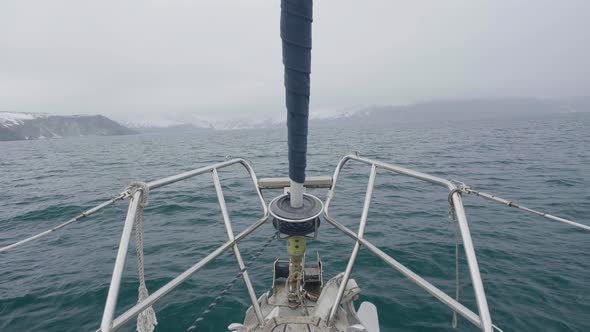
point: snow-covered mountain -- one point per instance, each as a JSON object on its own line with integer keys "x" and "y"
{"x": 30, "y": 126}
{"x": 10, "y": 119}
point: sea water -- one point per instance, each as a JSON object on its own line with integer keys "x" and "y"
{"x": 536, "y": 272}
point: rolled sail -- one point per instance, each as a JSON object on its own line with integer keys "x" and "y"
{"x": 296, "y": 19}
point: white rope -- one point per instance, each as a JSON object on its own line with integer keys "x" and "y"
{"x": 146, "y": 320}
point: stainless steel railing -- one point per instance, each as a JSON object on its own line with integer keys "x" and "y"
{"x": 483, "y": 320}
{"x": 109, "y": 323}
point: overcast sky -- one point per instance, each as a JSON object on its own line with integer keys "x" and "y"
{"x": 223, "y": 57}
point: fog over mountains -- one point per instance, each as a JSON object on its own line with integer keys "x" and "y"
{"x": 30, "y": 126}
{"x": 236, "y": 121}
{"x": 381, "y": 115}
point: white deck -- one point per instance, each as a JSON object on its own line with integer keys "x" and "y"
{"x": 312, "y": 316}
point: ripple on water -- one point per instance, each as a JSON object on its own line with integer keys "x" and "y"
{"x": 534, "y": 270}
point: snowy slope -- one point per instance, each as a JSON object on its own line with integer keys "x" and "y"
{"x": 30, "y": 126}
{"x": 9, "y": 119}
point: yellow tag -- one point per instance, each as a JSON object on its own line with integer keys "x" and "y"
{"x": 296, "y": 245}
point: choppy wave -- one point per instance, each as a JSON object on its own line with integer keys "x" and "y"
{"x": 535, "y": 272}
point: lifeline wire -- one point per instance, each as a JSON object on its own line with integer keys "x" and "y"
{"x": 497, "y": 199}
{"x": 229, "y": 286}
{"x": 82, "y": 215}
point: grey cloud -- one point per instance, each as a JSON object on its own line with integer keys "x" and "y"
{"x": 125, "y": 58}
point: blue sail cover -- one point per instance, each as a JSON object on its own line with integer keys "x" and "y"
{"x": 296, "y": 18}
